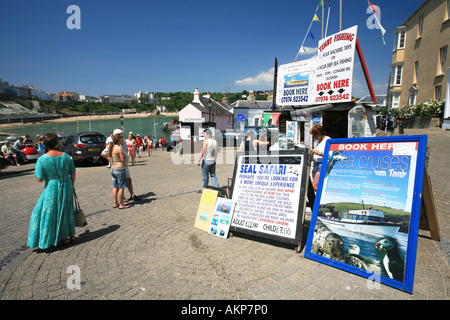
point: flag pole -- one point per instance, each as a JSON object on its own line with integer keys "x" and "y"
{"x": 381, "y": 27}
{"x": 306, "y": 34}
{"x": 322, "y": 17}
{"x": 275, "y": 79}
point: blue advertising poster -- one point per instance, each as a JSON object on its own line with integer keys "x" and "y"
{"x": 366, "y": 214}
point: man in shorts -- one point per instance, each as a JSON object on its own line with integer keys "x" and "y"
{"x": 9, "y": 153}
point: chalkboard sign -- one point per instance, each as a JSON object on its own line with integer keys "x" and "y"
{"x": 366, "y": 212}
{"x": 270, "y": 194}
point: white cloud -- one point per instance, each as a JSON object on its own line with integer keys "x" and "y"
{"x": 263, "y": 78}
{"x": 360, "y": 88}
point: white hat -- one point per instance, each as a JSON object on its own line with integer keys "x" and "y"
{"x": 117, "y": 131}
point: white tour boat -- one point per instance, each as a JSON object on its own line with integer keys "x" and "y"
{"x": 364, "y": 221}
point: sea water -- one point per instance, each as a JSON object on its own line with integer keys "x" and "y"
{"x": 143, "y": 126}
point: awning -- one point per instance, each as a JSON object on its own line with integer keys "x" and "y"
{"x": 305, "y": 113}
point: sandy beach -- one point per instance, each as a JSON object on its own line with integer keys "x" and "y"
{"x": 90, "y": 117}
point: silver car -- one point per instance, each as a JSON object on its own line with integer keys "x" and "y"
{"x": 85, "y": 146}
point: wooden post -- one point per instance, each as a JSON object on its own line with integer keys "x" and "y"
{"x": 428, "y": 218}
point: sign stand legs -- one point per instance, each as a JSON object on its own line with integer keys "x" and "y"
{"x": 428, "y": 219}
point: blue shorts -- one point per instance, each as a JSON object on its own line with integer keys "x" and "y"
{"x": 317, "y": 166}
{"x": 118, "y": 177}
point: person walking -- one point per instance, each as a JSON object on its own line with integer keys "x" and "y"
{"x": 131, "y": 147}
{"x": 117, "y": 159}
{"x": 52, "y": 222}
{"x": 318, "y": 133}
{"x": 139, "y": 145}
{"x": 150, "y": 146}
{"x": 208, "y": 155}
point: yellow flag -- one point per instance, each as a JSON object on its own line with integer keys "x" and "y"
{"x": 316, "y": 18}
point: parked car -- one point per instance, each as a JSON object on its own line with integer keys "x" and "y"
{"x": 85, "y": 146}
{"x": 30, "y": 151}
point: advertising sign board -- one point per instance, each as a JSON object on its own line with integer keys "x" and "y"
{"x": 334, "y": 74}
{"x": 295, "y": 82}
{"x": 270, "y": 195}
{"x": 205, "y": 210}
{"x": 221, "y": 220}
{"x": 366, "y": 212}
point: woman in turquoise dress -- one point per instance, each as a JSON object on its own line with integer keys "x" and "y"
{"x": 52, "y": 221}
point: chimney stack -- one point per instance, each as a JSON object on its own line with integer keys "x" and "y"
{"x": 251, "y": 97}
{"x": 196, "y": 96}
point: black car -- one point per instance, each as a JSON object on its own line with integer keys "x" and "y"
{"x": 85, "y": 146}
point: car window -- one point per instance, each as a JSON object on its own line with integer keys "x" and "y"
{"x": 92, "y": 139}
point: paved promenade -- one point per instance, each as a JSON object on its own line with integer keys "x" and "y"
{"x": 153, "y": 251}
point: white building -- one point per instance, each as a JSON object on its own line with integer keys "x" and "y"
{"x": 148, "y": 96}
{"x": 249, "y": 113}
{"x": 116, "y": 98}
{"x": 206, "y": 111}
{"x": 84, "y": 97}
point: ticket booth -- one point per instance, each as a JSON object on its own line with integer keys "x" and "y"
{"x": 362, "y": 121}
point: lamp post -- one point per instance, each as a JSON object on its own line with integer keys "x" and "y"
{"x": 209, "y": 110}
{"x": 154, "y": 129}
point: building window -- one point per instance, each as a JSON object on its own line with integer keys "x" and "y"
{"x": 447, "y": 14}
{"x": 394, "y": 100}
{"x": 412, "y": 95}
{"x": 442, "y": 59}
{"x": 399, "y": 40}
{"x": 437, "y": 92}
{"x": 421, "y": 18}
{"x": 416, "y": 71}
{"x": 396, "y": 75}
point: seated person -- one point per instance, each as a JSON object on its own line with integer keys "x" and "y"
{"x": 9, "y": 153}
{"x": 18, "y": 146}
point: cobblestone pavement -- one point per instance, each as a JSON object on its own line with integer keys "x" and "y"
{"x": 153, "y": 251}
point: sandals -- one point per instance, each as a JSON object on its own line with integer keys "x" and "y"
{"x": 124, "y": 207}
{"x": 134, "y": 198}
{"x": 64, "y": 242}
{"x": 68, "y": 241}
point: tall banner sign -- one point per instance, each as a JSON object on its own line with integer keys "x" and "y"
{"x": 295, "y": 82}
{"x": 334, "y": 73}
{"x": 327, "y": 78}
{"x": 366, "y": 212}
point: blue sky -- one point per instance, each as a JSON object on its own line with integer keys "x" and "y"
{"x": 128, "y": 46}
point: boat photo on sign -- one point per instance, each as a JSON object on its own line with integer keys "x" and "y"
{"x": 367, "y": 207}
